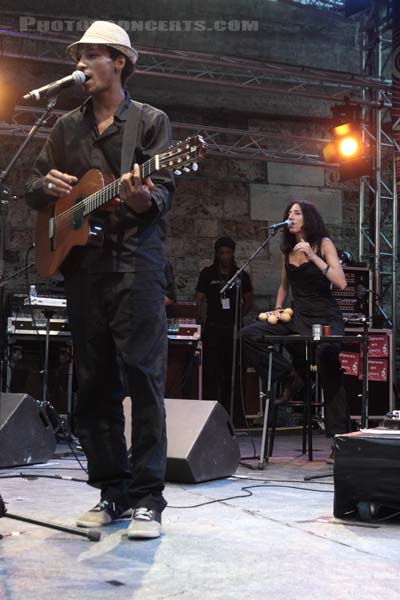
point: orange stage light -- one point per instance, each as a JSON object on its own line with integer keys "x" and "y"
{"x": 349, "y": 146}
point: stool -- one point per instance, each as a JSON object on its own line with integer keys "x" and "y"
{"x": 307, "y": 404}
{"x": 265, "y": 401}
{"x": 269, "y": 399}
{"x": 310, "y": 343}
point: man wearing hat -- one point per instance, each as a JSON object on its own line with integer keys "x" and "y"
{"x": 115, "y": 293}
{"x": 220, "y": 321}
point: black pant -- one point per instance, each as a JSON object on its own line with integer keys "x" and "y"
{"x": 327, "y": 356}
{"x": 217, "y": 369}
{"x": 217, "y": 364}
{"x": 121, "y": 315}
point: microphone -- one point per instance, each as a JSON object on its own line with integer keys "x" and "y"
{"x": 51, "y": 89}
{"x": 275, "y": 226}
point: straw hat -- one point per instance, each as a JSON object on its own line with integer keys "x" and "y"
{"x": 108, "y": 34}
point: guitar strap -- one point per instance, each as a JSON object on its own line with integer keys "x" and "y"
{"x": 130, "y": 137}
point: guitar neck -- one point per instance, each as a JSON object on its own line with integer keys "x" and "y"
{"x": 110, "y": 191}
{"x": 181, "y": 156}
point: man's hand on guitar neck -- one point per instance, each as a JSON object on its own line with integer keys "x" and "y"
{"x": 57, "y": 184}
{"x": 135, "y": 193}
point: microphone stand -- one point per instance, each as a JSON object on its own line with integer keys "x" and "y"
{"x": 91, "y": 534}
{"x": 236, "y": 280}
{"x": 5, "y": 193}
{"x": 238, "y": 296}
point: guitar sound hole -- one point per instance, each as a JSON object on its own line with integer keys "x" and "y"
{"x": 77, "y": 217}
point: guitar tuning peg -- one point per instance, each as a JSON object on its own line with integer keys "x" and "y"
{"x": 186, "y": 169}
{"x": 178, "y": 172}
{"x": 195, "y": 167}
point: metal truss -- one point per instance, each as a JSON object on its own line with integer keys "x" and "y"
{"x": 229, "y": 72}
{"x": 222, "y": 142}
{"x": 378, "y": 212}
{"x": 247, "y": 75}
{"x": 259, "y": 145}
{"x": 262, "y": 76}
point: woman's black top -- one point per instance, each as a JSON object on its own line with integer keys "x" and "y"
{"x": 313, "y": 301}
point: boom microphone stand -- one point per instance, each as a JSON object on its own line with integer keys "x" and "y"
{"x": 5, "y": 195}
{"x": 91, "y": 534}
{"x": 236, "y": 280}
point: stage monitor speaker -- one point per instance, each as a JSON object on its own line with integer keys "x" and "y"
{"x": 367, "y": 470}
{"x": 202, "y": 444}
{"x": 26, "y": 435}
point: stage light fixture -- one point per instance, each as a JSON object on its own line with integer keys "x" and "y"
{"x": 347, "y": 148}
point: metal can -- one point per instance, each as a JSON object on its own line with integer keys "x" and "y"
{"x": 316, "y": 331}
{"x": 326, "y": 330}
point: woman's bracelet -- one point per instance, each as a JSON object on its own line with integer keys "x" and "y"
{"x": 278, "y": 308}
{"x": 324, "y": 271}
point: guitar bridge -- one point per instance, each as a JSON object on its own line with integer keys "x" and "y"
{"x": 51, "y": 228}
{"x": 52, "y": 234}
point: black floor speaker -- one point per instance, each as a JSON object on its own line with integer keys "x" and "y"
{"x": 367, "y": 470}
{"x": 202, "y": 444}
{"x": 26, "y": 435}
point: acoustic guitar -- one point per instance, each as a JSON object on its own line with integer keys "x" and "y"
{"x": 73, "y": 219}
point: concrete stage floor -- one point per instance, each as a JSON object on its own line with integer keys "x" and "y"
{"x": 281, "y": 542}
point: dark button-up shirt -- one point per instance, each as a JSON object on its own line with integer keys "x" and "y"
{"x": 132, "y": 242}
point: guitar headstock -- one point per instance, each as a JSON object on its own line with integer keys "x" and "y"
{"x": 184, "y": 155}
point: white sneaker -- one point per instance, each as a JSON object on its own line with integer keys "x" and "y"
{"x": 145, "y": 524}
{"x": 103, "y": 513}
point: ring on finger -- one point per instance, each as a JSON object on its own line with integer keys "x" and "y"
{"x": 50, "y": 185}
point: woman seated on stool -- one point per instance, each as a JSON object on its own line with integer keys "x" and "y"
{"x": 310, "y": 266}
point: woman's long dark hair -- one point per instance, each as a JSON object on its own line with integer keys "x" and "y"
{"x": 314, "y": 227}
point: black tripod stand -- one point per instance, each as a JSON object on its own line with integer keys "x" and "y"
{"x": 91, "y": 534}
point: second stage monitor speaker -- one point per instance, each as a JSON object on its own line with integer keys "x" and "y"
{"x": 202, "y": 444}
